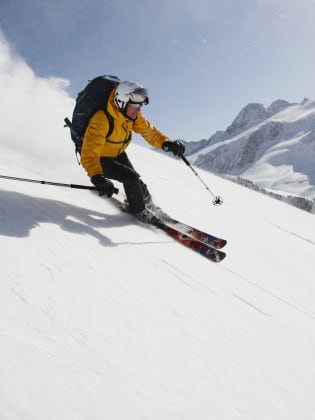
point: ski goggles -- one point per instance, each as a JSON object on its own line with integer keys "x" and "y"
{"x": 136, "y": 105}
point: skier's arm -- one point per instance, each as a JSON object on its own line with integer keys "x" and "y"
{"x": 149, "y": 132}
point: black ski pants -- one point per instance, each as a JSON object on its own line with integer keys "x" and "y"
{"x": 122, "y": 170}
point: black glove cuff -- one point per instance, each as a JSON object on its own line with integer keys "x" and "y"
{"x": 167, "y": 146}
{"x": 96, "y": 178}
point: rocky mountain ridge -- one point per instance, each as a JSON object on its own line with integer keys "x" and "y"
{"x": 271, "y": 148}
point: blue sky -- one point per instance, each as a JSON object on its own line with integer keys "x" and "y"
{"x": 202, "y": 60}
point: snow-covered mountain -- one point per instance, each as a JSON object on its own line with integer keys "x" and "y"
{"x": 274, "y": 147}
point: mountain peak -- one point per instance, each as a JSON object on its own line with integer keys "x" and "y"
{"x": 250, "y": 115}
{"x": 277, "y": 106}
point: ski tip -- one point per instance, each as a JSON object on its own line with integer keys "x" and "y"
{"x": 219, "y": 243}
{"x": 219, "y": 257}
{"x": 212, "y": 254}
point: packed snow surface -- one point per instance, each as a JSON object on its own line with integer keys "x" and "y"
{"x": 104, "y": 318}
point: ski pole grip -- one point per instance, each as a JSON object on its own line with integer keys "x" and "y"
{"x": 185, "y": 160}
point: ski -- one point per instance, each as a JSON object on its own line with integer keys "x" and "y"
{"x": 205, "y": 250}
{"x": 195, "y": 245}
{"x": 199, "y": 235}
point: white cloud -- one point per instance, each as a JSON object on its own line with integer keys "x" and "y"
{"x": 32, "y": 111}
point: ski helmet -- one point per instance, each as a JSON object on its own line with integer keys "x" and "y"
{"x": 127, "y": 92}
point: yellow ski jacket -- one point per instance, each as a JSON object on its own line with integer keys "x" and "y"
{"x": 96, "y": 145}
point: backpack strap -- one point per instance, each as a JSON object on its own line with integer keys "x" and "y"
{"x": 110, "y": 122}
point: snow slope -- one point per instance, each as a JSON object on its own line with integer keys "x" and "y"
{"x": 102, "y": 318}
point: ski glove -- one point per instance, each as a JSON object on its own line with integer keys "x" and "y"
{"x": 103, "y": 185}
{"x": 176, "y": 147}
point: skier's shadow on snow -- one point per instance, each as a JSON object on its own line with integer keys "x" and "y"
{"x": 20, "y": 213}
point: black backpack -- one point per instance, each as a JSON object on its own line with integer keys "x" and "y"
{"x": 92, "y": 98}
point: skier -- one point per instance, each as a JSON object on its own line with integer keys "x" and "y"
{"x": 105, "y": 158}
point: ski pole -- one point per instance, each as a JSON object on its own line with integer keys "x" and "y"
{"x": 58, "y": 184}
{"x": 216, "y": 198}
